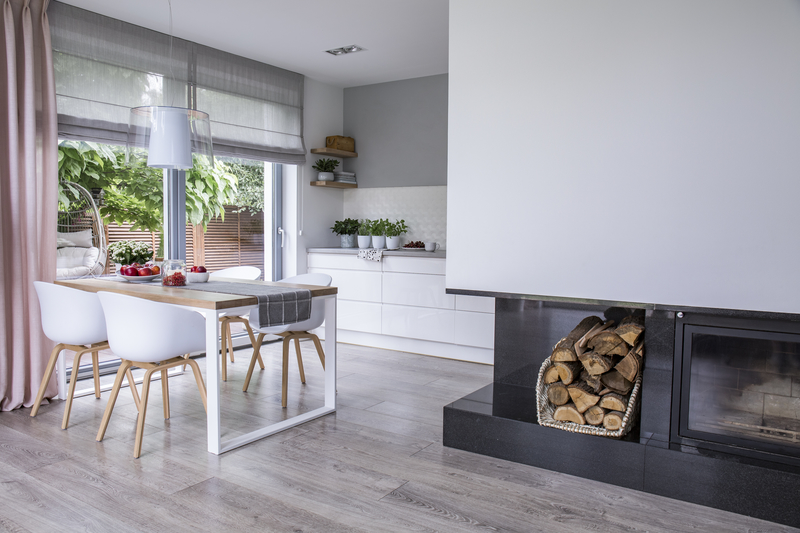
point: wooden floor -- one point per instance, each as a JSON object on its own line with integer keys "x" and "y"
{"x": 376, "y": 465}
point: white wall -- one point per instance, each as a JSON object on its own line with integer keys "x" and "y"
{"x": 309, "y": 212}
{"x": 633, "y": 151}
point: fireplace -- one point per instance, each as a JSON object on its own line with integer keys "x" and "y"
{"x": 719, "y": 411}
{"x": 737, "y": 385}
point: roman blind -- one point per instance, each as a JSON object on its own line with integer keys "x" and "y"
{"x": 104, "y": 67}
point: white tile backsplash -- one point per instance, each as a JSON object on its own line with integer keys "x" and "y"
{"x": 423, "y": 208}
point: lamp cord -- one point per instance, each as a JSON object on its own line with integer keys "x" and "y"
{"x": 171, "y": 72}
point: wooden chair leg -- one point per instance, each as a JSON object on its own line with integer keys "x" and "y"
{"x": 319, "y": 350}
{"x": 299, "y": 360}
{"x": 96, "y": 371}
{"x": 253, "y": 343}
{"x": 48, "y": 372}
{"x": 285, "y": 376}
{"x": 200, "y": 385}
{"x": 223, "y": 350}
{"x": 124, "y": 367}
{"x": 230, "y": 340}
{"x": 73, "y": 380}
{"x": 132, "y": 385}
{"x": 256, "y": 355}
{"x": 137, "y": 445}
{"x": 165, "y": 393}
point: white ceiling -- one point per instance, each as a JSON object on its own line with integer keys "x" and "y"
{"x": 403, "y": 38}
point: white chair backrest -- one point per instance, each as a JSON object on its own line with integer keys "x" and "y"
{"x": 240, "y": 272}
{"x": 317, "y": 307}
{"x": 70, "y": 315}
{"x": 145, "y": 331}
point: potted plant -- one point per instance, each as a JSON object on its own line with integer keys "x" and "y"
{"x": 364, "y": 233}
{"x": 325, "y": 168}
{"x": 346, "y": 229}
{"x": 393, "y": 232}
{"x": 129, "y": 252}
{"x": 378, "y": 231}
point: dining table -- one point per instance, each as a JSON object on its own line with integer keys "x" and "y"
{"x": 213, "y": 305}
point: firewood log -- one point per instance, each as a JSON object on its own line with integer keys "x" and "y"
{"x": 613, "y": 402}
{"x": 593, "y": 381}
{"x": 616, "y": 382}
{"x": 629, "y": 366}
{"x": 608, "y": 343}
{"x": 582, "y": 396}
{"x": 568, "y": 413}
{"x": 605, "y": 391}
{"x": 630, "y": 329}
{"x": 594, "y": 415}
{"x": 596, "y": 364}
{"x": 550, "y": 375}
{"x": 557, "y": 394}
{"x": 568, "y": 372}
{"x": 613, "y": 420}
{"x": 565, "y": 349}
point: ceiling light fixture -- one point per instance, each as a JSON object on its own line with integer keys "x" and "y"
{"x": 350, "y": 49}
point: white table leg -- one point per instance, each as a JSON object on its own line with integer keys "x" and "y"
{"x": 61, "y": 375}
{"x": 212, "y": 380}
{"x": 330, "y": 352}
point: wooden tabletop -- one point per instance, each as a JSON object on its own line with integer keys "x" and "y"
{"x": 180, "y": 296}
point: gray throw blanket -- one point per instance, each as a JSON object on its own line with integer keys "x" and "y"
{"x": 276, "y": 305}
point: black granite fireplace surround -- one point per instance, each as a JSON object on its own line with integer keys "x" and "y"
{"x": 499, "y": 420}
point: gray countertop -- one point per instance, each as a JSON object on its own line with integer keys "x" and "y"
{"x": 440, "y": 254}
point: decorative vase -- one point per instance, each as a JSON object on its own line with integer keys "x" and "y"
{"x": 325, "y": 176}
{"x": 348, "y": 241}
{"x": 393, "y": 243}
{"x": 378, "y": 241}
{"x": 364, "y": 241}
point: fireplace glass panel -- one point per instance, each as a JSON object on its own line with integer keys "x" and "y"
{"x": 744, "y": 386}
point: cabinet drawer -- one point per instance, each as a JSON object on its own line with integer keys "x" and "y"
{"x": 341, "y": 262}
{"x": 474, "y": 329}
{"x": 418, "y": 323}
{"x": 479, "y": 304}
{"x": 423, "y": 290}
{"x": 414, "y": 265}
{"x": 358, "y": 316}
{"x": 355, "y": 285}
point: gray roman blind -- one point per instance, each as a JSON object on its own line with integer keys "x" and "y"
{"x": 104, "y": 67}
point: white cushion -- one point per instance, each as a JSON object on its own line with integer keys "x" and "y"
{"x": 82, "y": 239}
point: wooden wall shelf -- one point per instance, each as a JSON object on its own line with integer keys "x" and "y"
{"x": 333, "y": 152}
{"x": 334, "y": 184}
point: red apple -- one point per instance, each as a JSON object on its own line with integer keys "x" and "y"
{"x": 145, "y": 271}
{"x": 136, "y": 265}
{"x": 155, "y": 269}
{"x": 130, "y": 271}
{"x": 201, "y": 269}
{"x": 193, "y": 269}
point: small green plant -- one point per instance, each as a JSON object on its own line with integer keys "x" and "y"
{"x": 348, "y": 226}
{"x": 127, "y": 252}
{"x": 396, "y": 228}
{"x": 365, "y": 227}
{"x": 378, "y": 227}
{"x": 325, "y": 165}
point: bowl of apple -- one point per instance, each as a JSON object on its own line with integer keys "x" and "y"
{"x": 197, "y": 274}
{"x": 137, "y": 273}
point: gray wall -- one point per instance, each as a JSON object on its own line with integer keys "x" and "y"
{"x": 400, "y": 130}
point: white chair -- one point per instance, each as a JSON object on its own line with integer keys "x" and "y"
{"x": 74, "y": 319}
{"x": 153, "y": 336}
{"x": 239, "y": 272}
{"x": 296, "y": 331}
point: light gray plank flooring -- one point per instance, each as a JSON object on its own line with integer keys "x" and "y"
{"x": 377, "y": 465}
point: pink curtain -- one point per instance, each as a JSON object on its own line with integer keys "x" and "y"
{"x": 28, "y": 182}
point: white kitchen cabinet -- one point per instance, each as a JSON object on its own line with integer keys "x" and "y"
{"x": 400, "y": 303}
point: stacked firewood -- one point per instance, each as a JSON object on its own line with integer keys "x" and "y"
{"x": 593, "y": 370}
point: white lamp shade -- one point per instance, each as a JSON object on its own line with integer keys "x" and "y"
{"x": 170, "y": 135}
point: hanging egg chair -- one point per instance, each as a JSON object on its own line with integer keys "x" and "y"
{"x": 81, "y": 242}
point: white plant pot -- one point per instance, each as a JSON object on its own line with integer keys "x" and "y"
{"x": 364, "y": 241}
{"x": 348, "y": 241}
{"x": 393, "y": 243}
{"x": 325, "y": 176}
{"x": 378, "y": 241}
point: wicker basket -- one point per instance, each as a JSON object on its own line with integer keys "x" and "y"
{"x": 545, "y": 410}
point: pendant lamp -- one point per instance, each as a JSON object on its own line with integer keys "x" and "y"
{"x": 168, "y": 136}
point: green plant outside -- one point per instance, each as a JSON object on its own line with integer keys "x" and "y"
{"x": 348, "y": 226}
